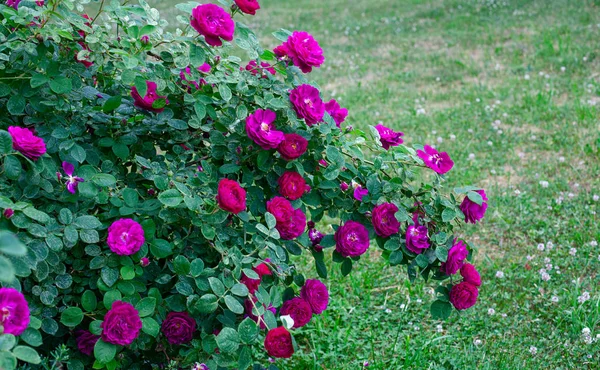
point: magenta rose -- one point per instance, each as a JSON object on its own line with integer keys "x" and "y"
{"x": 359, "y": 192}
{"x": 125, "y": 237}
{"x": 308, "y": 104}
{"x": 439, "y": 162}
{"x": 231, "y": 196}
{"x": 253, "y": 68}
{"x": 121, "y": 324}
{"x": 26, "y": 143}
{"x": 278, "y": 343}
{"x": 336, "y": 112}
{"x": 351, "y": 239}
{"x": 473, "y": 211}
{"x": 316, "y": 294}
{"x": 86, "y": 341}
{"x": 470, "y": 274}
{"x": 248, "y": 6}
{"x": 298, "y": 309}
{"x": 294, "y": 228}
{"x": 463, "y": 295}
{"x": 260, "y": 128}
{"x": 384, "y": 220}
{"x": 292, "y": 185}
{"x": 186, "y": 75}
{"x": 417, "y": 239}
{"x": 213, "y": 23}
{"x": 250, "y": 312}
{"x": 178, "y": 327}
{"x": 14, "y": 311}
{"x": 148, "y": 100}
{"x": 71, "y": 181}
{"x": 456, "y": 258}
{"x": 281, "y": 208}
{"x": 304, "y": 51}
{"x": 292, "y": 146}
{"x": 388, "y": 137}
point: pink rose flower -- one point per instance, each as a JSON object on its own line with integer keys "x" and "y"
{"x": 293, "y": 229}
{"x": 231, "y": 196}
{"x": 344, "y": 186}
{"x": 315, "y": 236}
{"x": 292, "y": 185}
{"x": 417, "y": 239}
{"x": 359, "y": 192}
{"x": 178, "y": 327}
{"x": 148, "y": 100}
{"x": 470, "y": 274}
{"x": 439, "y": 162}
{"x": 456, "y": 258}
{"x": 121, "y": 324}
{"x": 205, "y": 68}
{"x": 125, "y": 237}
{"x": 308, "y": 104}
{"x": 86, "y": 341}
{"x": 281, "y": 208}
{"x": 336, "y": 112}
{"x": 144, "y": 261}
{"x": 251, "y": 313}
{"x": 278, "y": 343}
{"x": 473, "y": 211}
{"x": 384, "y": 220}
{"x": 298, "y": 309}
{"x": 248, "y": 6}
{"x": 388, "y": 137}
{"x": 72, "y": 181}
{"x": 303, "y": 50}
{"x": 26, "y": 143}
{"x": 316, "y": 294}
{"x": 463, "y": 295}
{"x": 260, "y": 128}
{"x": 351, "y": 239}
{"x": 292, "y": 146}
{"x": 14, "y": 311}
{"x": 213, "y": 23}
{"x": 8, "y": 213}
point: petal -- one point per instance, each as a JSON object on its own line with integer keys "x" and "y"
{"x": 68, "y": 168}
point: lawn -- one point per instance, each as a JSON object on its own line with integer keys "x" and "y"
{"x": 511, "y": 89}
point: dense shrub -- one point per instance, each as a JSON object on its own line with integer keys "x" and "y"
{"x": 156, "y": 190}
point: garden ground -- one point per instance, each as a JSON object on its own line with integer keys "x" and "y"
{"x": 511, "y": 89}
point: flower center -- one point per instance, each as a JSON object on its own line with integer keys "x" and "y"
{"x": 352, "y": 237}
{"x": 308, "y": 102}
{"x": 125, "y": 237}
{"x": 384, "y": 220}
{"x": 435, "y": 159}
{"x": 4, "y": 314}
{"x": 264, "y": 127}
{"x": 294, "y": 146}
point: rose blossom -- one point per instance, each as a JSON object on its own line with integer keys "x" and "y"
{"x": 473, "y": 211}
{"x": 388, "y": 137}
{"x": 125, "y": 237}
{"x": 281, "y": 208}
{"x": 439, "y": 162}
{"x": 303, "y": 50}
{"x": 144, "y": 261}
{"x": 308, "y": 104}
{"x": 187, "y": 73}
{"x": 26, "y": 143}
{"x": 86, "y": 341}
{"x": 248, "y": 6}
{"x": 14, "y": 311}
{"x": 384, "y": 220}
{"x": 292, "y": 185}
{"x": 292, "y": 146}
{"x": 351, "y": 239}
{"x": 416, "y": 237}
{"x": 315, "y": 236}
{"x": 298, "y": 309}
{"x": 344, "y": 186}
{"x": 294, "y": 228}
{"x": 178, "y": 327}
{"x": 463, "y": 295}
{"x": 231, "y": 196}
{"x": 72, "y": 181}
{"x": 121, "y": 324}
{"x": 278, "y": 343}
{"x": 456, "y": 258}
{"x": 252, "y": 284}
{"x": 470, "y": 274}
{"x": 336, "y": 112}
{"x": 251, "y": 314}
{"x": 359, "y": 192}
{"x": 316, "y": 294}
{"x": 148, "y": 100}
{"x": 8, "y": 213}
{"x": 213, "y": 23}
{"x": 260, "y": 128}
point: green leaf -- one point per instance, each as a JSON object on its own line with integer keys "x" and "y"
{"x": 475, "y": 197}
{"x": 346, "y": 267}
{"x": 271, "y": 221}
{"x": 282, "y": 34}
{"x": 441, "y": 252}
{"x": 32, "y": 336}
{"x": 161, "y": 248}
{"x": 38, "y": 79}
{"x": 109, "y": 276}
{"x": 27, "y": 354}
{"x": 216, "y": 285}
{"x": 11, "y": 245}
{"x": 36, "y": 215}
{"x": 110, "y": 297}
{"x": 6, "y": 142}
{"x": 248, "y": 330}
{"x": 89, "y": 236}
{"x": 197, "y": 267}
{"x": 441, "y": 310}
{"x": 71, "y": 317}
{"x": 234, "y": 305}
{"x": 225, "y": 92}
{"x": 181, "y": 265}
{"x": 171, "y": 198}
{"x": 240, "y": 290}
{"x": 229, "y": 168}
{"x": 150, "y": 326}
{"x": 87, "y": 222}
{"x": 61, "y": 85}
{"x": 7, "y": 360}
{"x": 448, "y": 215}
{"x": 197, "y": 55}
{"x": 104, "y": 352}
{"x": 121, "y": 150}
{"x": 228, "y": 340}
{"x": 78, "y": 153}
{"x": 127, "y": 272}
{"x": 146, "y": 306}
{"x": 89, "y": 302}
{"x": 112, "y": 103}
{"x": 104, "y": 180}
{"x": 207, "y": 304}
{"x": 16, "y": 105}
{"x": 7, "y": 342}
{"x": 12, "y": 167}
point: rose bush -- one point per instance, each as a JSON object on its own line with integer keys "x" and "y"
{"x": 156, "y": 191}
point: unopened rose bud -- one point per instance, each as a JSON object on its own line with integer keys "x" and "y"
{"x": 151, "y": 192}
{"x": 145, "y": 40}
{"x": 318, "y": 248}
{"x": 310, "y": 224}
{"x": 344, "y": 186}
{"x": 8, "y": 213}
{"x": 200, "y": 169}
{"x": 58, "y": 176}
{"x": 238, "y": 150}
{"x": 144, "y": 261}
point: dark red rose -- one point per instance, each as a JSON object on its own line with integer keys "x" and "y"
{"x": 278, "y": 343}
{"x": 231, "y": 196}
{"x": 292, "y": 146}
{"x": 178, "y": 327}
{"x": 292, "y": 185}
{"x": 86, "y": 341}
{"x": 299, "y": 310}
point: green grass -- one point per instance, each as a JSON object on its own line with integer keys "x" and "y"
{"x": 465, "y": 62}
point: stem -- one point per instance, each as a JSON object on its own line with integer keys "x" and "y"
{"x": 99, "y": 11}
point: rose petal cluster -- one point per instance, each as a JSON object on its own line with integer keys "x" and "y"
{"x": 439, "y": 162}
{"x": 148, "y": 100}
{"x": 388, "y": 137}
{"x": 121, "y": 325}
{"x": 231, "y": 196}
{"x": 456, "y": 258}
{"x": 86, "y": 341}
{"x": 214, "y": 23}
{"x": 252, "y": 284}
{"x": 14, "y": 311}
{"x": 351, "y": 239}
{"x": 292, "y": 185}
{"x": 299, "y": 310}
{"x": 307, "y": 104}
{"x": 474, "y": 212}
{"x": 261, "y": 129}
{"x": 336, "y": 112}
{"x": 248, "y": 6}
{"x": 292, "y": 146}
{"x": 470, "y": 274}
{"x": 463, "y": 295}
{"x": 178, "y": 327}
{"x": 26, "y": 143}
{"x": 125, "y": 237}
{"x": 253, "y": 68}
{"x": 384, "y": 220}
{"x": 291, "y": 222}
{"x": 303, "y": 50}
{"x": 278, "y": 343}
{"x": 417, "y": 238}
{"x": 316, "y": 294}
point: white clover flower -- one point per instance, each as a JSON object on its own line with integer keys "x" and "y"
{"x": 471, "y": 156}
{"x": 440, "y": 140}
{"x": 547, "y": 260}
{"x": 549, "y": 245}
{"x": 561, "y": 159}
{"x": 545, "y": 276}
{"x": 527, "y": 77}
{"x": 490, "y": 143}
{"x": 544, "y": 184}
{"x": 387, "y": 310}
{"x": 593, "y": 243}
{"x": 541, "y": 247}
{"x": 499, "y": 274}
{"x": 439, "y": 328}
{"x": 533, "y": 350}
{"x": 477, "y": 342}
{"x": 596, "y": 197}
{"x": 584, "y": 297}
{"x": 529, "y": 257}
{"x": 452, "y": 137}
{"x": 491, "y": 311}
{"x": 573, "y": 251}
{"x": 554, "y": 299}
{"x": 563, "y": 68}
